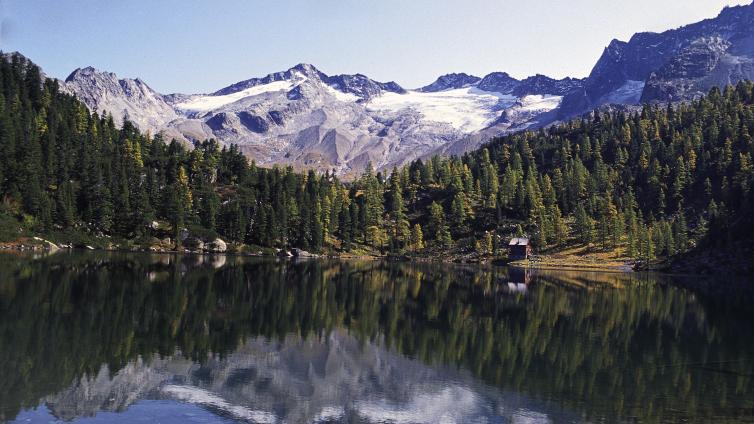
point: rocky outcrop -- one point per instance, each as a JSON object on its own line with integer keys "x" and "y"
{"x": 674, "y": 65}
{"x": 362, "y": 86}
{"x": 544, "y": 85}
{"x": 706, "y": 63}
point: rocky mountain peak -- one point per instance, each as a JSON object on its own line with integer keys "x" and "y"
{"x": 499, "y": 82}
{"x": 615, "y": 49}
{"x": 126, "y": 98}
{"x": 673, "y": 65}
{"x": 90, "y": 73}
{"x": 305, "y": 68}
{"x": 542, "y": 84}
{"x": 451, "y": 81}
{"x": 362, "y": 86}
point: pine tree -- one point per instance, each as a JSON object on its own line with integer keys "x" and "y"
{"x": 209, "y": 204}
{"x": 559, "y": 226}
{"x": 417, "y": 238}
{"x": 584, "y": 225}
{"x": 488, "y": 247}
{"x": 458, "y": 210}
{"x": 378, "y": 237}
{"x": 680, "y": 233}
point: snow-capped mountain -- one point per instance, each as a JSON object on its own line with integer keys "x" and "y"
{"x": 308, "y": 119}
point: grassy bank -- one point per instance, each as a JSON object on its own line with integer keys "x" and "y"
{"x": 581, "y": 257}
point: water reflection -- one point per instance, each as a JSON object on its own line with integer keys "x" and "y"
{"x": 316, "y": 341}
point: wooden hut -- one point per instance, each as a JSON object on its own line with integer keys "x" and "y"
{"x": 519, "y": 248}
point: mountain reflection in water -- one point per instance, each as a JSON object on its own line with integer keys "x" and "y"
{"x": 107, "y": 336}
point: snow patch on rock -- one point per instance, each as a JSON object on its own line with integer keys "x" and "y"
{"x": 466, "y": 109}
{"x": 537, "y": 102}
{"x": 206, "y": 103}
{"x": 629, "y": 93}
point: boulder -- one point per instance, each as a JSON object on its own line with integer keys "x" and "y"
{"x": 300, "y": 253}
{"x": 47, "y": 245}
{"x": 217, "y": 245}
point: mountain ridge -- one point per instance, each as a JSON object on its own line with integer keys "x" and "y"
{"x": 311, "y": 120}
{"x": 307, "y": 118}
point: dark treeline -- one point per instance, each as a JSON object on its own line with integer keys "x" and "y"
{"x": 657, "y": 182}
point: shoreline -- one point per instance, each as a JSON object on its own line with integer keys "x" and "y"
{"x": 41, "y": 245}
{"x": 573, "y": 258}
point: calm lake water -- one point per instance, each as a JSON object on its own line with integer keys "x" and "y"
{"x": 95, "y": 338}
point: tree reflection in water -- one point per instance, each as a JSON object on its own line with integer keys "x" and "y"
{"x": 606, "y": 346}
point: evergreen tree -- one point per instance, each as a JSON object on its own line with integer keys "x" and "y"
{"x": 584, "y": 225}
{"x": 417, "y": 238}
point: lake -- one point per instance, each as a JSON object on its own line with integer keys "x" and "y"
{"x": 92, "y": 337}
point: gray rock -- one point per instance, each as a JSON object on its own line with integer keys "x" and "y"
{"x": 300, "y": 253}
{"x": 217, "y": 246}
{"x": 48, "y": 245}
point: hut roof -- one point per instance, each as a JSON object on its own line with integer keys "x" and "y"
{"x": 519, "y": 241}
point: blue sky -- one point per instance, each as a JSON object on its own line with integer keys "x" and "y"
{"x": 200, "y": 46}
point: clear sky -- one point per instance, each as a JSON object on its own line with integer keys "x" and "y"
{"x": 195, "y": 46}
